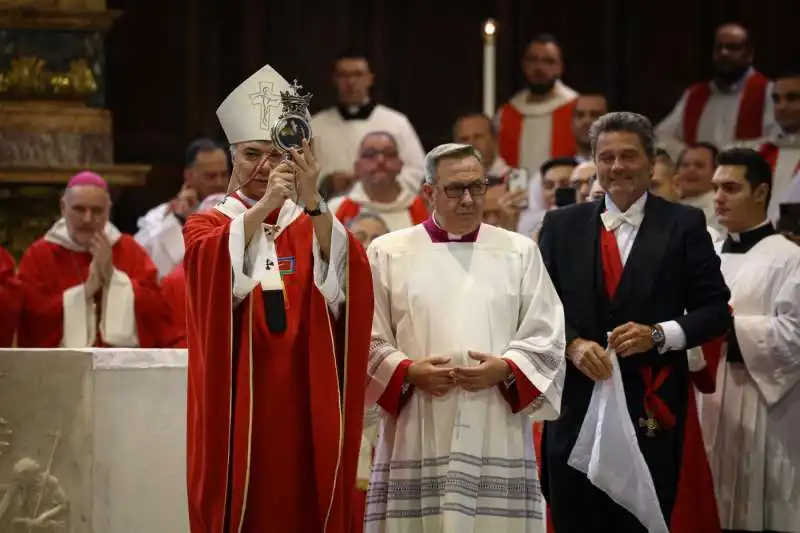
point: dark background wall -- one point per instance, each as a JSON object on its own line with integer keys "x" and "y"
{"x": 170, "y": 63}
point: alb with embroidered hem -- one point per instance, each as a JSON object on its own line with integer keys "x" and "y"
{"x": 463, "y": 462}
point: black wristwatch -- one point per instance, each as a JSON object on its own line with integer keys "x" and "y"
{"x": 657, "y": 336}
{"x": 321, "y": 208}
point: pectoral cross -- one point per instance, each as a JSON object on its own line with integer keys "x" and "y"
{"x": 650, "y": 423}
{"x": 267, "y": 99}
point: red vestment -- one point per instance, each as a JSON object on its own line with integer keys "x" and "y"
{"x": 348, "y": 210}
{"x": 48, "y": 269}
{"x": 274, "y": 420}
{"x": 173, "y": 288}
{"x": 749, "y": 119}
{"x": 10, "y": 299}
{"x": 562, "y": 140}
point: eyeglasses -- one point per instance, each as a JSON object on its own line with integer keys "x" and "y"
{"x": 456, "y": 190}
{"x": 373, "y": 154}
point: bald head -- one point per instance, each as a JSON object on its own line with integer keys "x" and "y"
{"x": 86, "y": 209}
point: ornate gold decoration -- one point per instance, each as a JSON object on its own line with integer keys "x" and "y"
{"x": 28, "y": 77}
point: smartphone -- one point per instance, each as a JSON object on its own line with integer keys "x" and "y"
{"x": 566, "y": 196}
{"x": 518, "y": 181}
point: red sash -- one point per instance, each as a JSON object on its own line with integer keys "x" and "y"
{"x": 562, "y": 141}
{"x": 348, "y": 210}
{"x": 749, "y": 119}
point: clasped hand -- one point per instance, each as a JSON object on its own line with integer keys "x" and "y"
{"x": 102, "y": 267}
{"x": 437, "y": 377}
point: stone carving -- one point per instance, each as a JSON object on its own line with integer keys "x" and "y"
{"x": 34, "y": 499}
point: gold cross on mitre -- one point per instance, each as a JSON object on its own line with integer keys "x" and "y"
{"x": 650, "y": 423}
{"x": 268, "y": 100}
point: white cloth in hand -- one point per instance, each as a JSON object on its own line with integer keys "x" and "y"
{"x": 608, "y": 453}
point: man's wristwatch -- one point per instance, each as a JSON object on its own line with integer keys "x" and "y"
{"x": 657, "y": 336}
{"x": 321, "y": 208}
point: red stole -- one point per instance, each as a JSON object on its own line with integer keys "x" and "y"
{"x": 348, "y": 210}
{"x": 749, "y": 119}
{"x": 695, "y": 509}
{"x": 770, "y": 152}
{"x": 562, "y": 141}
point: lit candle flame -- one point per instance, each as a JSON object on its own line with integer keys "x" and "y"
{"x": 489, "y": 27}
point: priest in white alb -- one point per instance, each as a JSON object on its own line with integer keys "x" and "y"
{"x": 750, "y": 424}
{"x": 467, "y": 351}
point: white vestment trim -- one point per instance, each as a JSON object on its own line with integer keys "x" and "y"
{"x": 249, "y": 260}
{"x": 608, "y": 453}
{"x": 118, "y": 325}
{"x": 464, "y": 462}
{"x": 78, "y": 319}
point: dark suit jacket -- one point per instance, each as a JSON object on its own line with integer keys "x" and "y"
{"x": 672, "y": 273}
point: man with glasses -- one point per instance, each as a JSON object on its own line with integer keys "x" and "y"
{"x": 340, "y": 128}
{"x": 377, "y": 189}
{"x": 467, "y": 347}
{"x": 734, "y": 106}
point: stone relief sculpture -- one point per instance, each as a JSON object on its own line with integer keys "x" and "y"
{"x": 34, "y": 500}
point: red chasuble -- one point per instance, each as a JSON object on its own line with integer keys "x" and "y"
{"x": 562, "y": 141}
{"x": 274, "y": 420}
{"x": 48, "y": 269}
{"x": 695, "y": 509}
{"x": 348, "y": 210}
{"x": 749, "y": 119}
{"x": 173, "y": 288}
{"x": 10, "y": 299}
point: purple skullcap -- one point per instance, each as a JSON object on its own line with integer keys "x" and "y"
{"x": 87, "y": 179}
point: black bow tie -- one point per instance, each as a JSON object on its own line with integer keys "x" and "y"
{"x": 747, "y": 240}
{"x": 356, "y": 112}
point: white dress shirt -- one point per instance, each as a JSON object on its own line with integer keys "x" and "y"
{"x": 626, "y": 227}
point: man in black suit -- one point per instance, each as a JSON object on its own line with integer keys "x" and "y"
{"x": 644, "y": 270}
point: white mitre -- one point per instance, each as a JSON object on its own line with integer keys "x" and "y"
{"x": 249, "y": 112}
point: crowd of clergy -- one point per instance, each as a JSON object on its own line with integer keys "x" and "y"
{"x": 729, "y": 149}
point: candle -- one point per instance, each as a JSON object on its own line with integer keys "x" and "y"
{"x": 489, "y": 77}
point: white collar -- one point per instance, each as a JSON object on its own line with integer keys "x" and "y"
{"x": 58, "y": 234}
{"x": 236, "y": 204}
{"x": 737, "y": 237}
{"x": 359, "y": 195}
{"x": 636, "y": 207}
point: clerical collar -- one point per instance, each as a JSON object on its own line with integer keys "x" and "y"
{"x": 635, "y": 208}
{"x": 438, "y": 234}
{"x": 741, "y": 243}
{"x": 356, "y": 112}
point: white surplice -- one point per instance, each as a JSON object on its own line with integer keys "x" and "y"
{"x": 750, "y": 424}
{"x": 461, "y": 463}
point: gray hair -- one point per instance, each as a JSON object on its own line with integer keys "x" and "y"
{"x": 368, "y": 216}
{"x": 624, "y": 121}
{"x": 447, "y": 151}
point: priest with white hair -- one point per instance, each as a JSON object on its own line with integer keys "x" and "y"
{"x": 460, "y": 364}
{"x": 278, "y": 310}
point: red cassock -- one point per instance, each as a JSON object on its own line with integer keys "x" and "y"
{"x": 10, "y": 299}
{"x": 173, "y": 287}
{"x": 48, "y": 269}
{"x": 274, "y": 419}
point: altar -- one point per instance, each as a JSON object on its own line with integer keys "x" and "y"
{"x": 95, "y": 438}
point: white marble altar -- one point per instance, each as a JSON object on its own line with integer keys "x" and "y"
{"x": 100, "y": 436}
